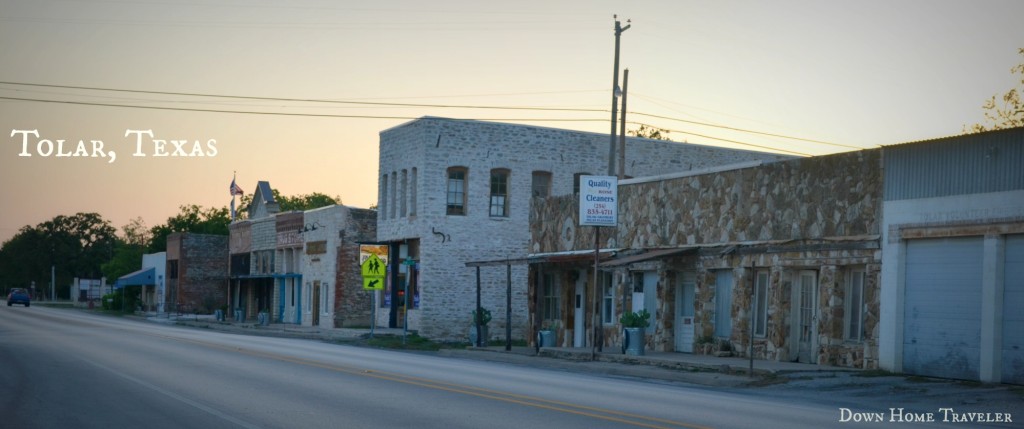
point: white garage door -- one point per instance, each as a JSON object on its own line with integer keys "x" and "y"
{"x": 1013, "y": 315}
{"x": 942, "y": 313}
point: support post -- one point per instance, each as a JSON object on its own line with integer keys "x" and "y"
{"x": 508, "y": 308}
{"x": 476, "y": 314}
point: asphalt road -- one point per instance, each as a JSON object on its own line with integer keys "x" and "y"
{"x": 73, "y": 369}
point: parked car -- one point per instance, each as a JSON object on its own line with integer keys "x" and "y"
{"x": 18, "y": 296}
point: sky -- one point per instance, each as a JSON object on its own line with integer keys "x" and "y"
{"x": 296, "y": 92}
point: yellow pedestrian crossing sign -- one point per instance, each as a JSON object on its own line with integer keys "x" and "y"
{"x": 373, "y": 271}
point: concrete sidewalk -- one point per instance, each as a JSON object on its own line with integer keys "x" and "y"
{"x": 668, "y": 366}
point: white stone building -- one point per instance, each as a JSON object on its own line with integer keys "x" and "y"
{"x": 457, "y": 191}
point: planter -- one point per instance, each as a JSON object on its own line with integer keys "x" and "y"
{"x": 547, "y": 338}
{"x": 472, "y": 334}
{"x": 634, "y": 341}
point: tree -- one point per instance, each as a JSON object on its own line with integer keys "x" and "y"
{"x": 192, "y": 218}
{"x": 1008, "y": 112}
{"x": 650, "y": 132}
{"x": 128, "y": 250}
{"x": 295, "y": 203}
{"x": 74, "y": 246}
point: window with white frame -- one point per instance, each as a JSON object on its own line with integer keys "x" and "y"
{"x": 551, "y": 298}
{"x": 607, "y": 299}
{"x": 456, "y": 191}
{"x": 499, "y": 193}
{"x": 761, "y": 280}
{"x": 854, "y": 314}
{"x": 723, "y": 303}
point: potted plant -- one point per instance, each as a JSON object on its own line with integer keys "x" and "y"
{"x": 633, "y": 323}
{"x": 548, "y": 333}
{"x": 482, "y": 318}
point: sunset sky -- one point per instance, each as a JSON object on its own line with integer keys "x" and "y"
{"x": 844, "y": 75}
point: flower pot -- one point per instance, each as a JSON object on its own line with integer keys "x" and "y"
{"x": 472, "y": 334}
{"x": 634, "y": 341}
{"x": 547, "y": 338}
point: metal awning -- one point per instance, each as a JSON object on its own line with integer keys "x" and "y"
{"x": 537, "y": 258}
{"x": 145, "y": 276}
{"x": 647, "y": 255}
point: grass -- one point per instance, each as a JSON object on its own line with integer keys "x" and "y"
{"x": 411, "y": 342}
{"x": 874, "y": 373}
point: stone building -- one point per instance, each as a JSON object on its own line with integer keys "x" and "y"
{"x": 456, "y": 191}
{"x": 300, "y": 267}
{"x": 785, "y": 254}
{"x": 197, "y": 272}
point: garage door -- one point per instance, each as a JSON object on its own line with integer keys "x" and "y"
{"x": 942, "y": 313}
{"x": 1013, "y": 317}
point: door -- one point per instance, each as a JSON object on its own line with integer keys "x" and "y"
{"x": 315, "y": 304}
{"x": 684, "y": 311}
{"x": 807, "y": 317}
{"x": 580, "y": 330}
{"x": 1013, "y": 317}
{"x": 942, "y": 307}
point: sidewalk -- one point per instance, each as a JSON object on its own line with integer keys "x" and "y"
{"x": 667, "y": 366}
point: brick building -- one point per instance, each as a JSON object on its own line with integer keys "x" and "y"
{"x": 456, "y": 191}
{"x": 197, "y": 272}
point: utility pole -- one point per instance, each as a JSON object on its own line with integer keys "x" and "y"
{"x": 622, "y": 128}
{"x": 615, "y": 89}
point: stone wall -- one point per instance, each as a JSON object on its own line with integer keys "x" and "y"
{"x": 352, "y": 304}
{"x": 421, "y": 151}
{"x": 203, "y": 271}
{"x": 820, "y": 214}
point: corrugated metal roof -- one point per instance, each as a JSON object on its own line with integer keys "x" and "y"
{"x": 967, "y": 164}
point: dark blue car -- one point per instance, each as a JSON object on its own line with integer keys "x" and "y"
{"x": 18, "y": 296}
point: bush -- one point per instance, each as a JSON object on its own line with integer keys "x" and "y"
{"x": 635, "y": 319}
{"x": 119, "y": 301}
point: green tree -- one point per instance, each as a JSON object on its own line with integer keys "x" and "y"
{"x": 1006, "y": 111}
{"x": 650, "y": 132}
{"x": 301, "y": 202}
{"x": 192, "y": 218}
{"x": 128, "y": 250}
{"x": 74, "y": 246}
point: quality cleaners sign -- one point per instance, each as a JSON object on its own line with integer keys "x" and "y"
{"x": 599, "y": 201}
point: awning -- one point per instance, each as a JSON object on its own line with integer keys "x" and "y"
{"x": 647, "y": 255}
{"x": 141, "y": 277}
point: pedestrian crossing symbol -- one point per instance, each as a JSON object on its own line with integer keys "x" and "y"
{"x": 373, "y": 271}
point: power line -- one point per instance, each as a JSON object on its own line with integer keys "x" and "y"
{"x": 391, "y": 104}
{"x": 307, "y": 100}
{"x": 318, "y": 115}
{"x": 724, "y": 140}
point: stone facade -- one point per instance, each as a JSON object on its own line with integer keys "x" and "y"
{"x": 812, "y": 220}
{"x": 413, "y": 178}
{"x": 197, "y": 272}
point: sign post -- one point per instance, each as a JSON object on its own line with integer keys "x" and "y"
{"x": 373, "y": 265}
{"x": 599, "y": 206}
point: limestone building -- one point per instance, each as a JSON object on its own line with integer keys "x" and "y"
{"x": 457, "y": 191}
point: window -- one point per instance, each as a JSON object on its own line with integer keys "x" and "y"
{"x": 551, "y": 294}
{"x": 723, "y": 303}
{"x": 576, "y": 182}
{"x": 323, "y": 298}
{"x": 309, "y": 298}
{"x": 412, "y": 194}
{"x": 607, "y": 299}
{"x": 394, "y": 194}
{"x": 383, "y": 197}
{"x": 854, "y": 319}
{"x": 404, "y": 191}
{"x": 541, "y": 184}
{"x": 456, "y": 200}
{"x": 761, "y": 303}
{"x": 499, "y": 193}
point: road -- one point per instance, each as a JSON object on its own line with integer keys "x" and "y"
{"x": 74, "y": 369}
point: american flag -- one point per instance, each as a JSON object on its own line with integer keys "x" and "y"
{"x": 235, "y": 189}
